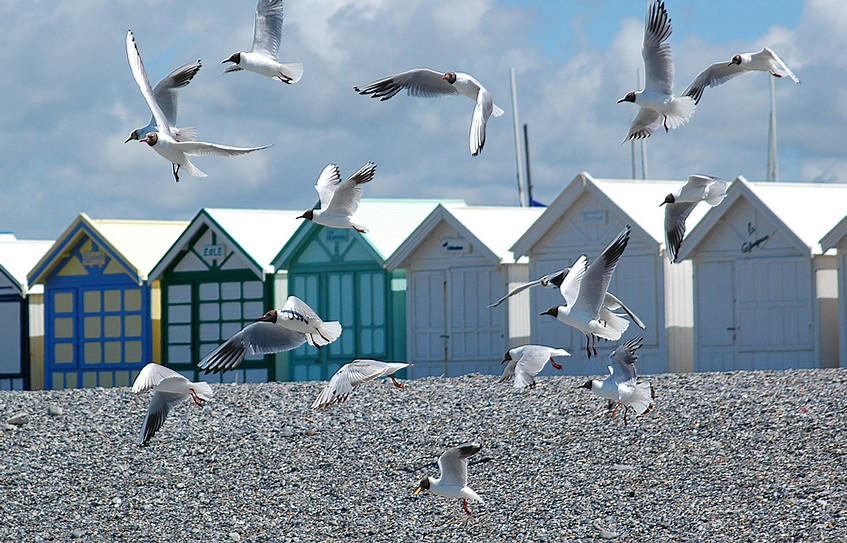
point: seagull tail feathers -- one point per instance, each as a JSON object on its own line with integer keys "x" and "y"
{"x": 681, "y": 112}
{"x": 641, "y": 399}
{"x": 203, "y": 390}
{"x": 612, "y": 325}
{"x": 290, "y": 73}
{"x": 329, "y": 331}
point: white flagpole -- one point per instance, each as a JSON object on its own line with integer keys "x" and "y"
{"x": 773, "y": 161}
{"x": 522, "y": 199}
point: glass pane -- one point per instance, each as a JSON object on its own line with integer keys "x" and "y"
{"x": 179, "y": 313}
{"x": 209, "y": 332}
{"x": 231, "y": 311}
{"x": 252, "y": 289}
{"x": 132, "y": 325}
{"x": 91, "y": 301}
{"x": 378, "y": 306}
{"x": 92, "y": 353}
{"x": 366, "y": 345}
{"x": 210, "y": 312}
{"x": 179, "y": 334}
{"x": 63, "y": 327}
{"x": 122, "y": 378}
{"x": 365, "y": 297}
{"x": 252, "y": 310}
{"x": 229, "y": 329}
{"x": 63, "y": 353}
{"x": 230, "y": 291}
{"x": 256, "y": 375}
{"x": 209, "y": 291}
{"x": 112, "y": 326}
{"x": 379, "y": 347}
{"x": 112, "y": 300}
{"x": 71, "y": 380}
{"x": 179, "y": 294}
{"x": 179, "y": 354}
{"x": 91, "y": 326}
{"x": 89, "y": 379}
{"x": 63, "y": 302}
{"x": 113, "y": 352}
{"x": 105, "y": 379}
{"x": 132, "y": 299}
{"x": 132, "y": 352}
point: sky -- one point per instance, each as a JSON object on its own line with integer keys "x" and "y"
{"x": 71, "y": 100}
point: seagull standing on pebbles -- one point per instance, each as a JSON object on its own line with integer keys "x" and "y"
{"x": 525, "y": 362}
{"x": 720, "y": 72}
{"x": 339, "y": 201}
{"x": 354, "y": 374}
{"x": 276, "y": 331}
{"x": 657, "y": 104}
{"x": 429, "y": 83}
{"x": 262, "y": 58}
{"x": 453, "y": 477}
{"x": 161, "y": 139}
{"x": 170, "y": 388}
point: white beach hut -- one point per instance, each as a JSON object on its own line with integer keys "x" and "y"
{"x": 458, "y": 261}
{"x": 765, "y": 291}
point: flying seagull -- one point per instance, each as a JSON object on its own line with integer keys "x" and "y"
{"x": 169, "y": 389}
{"x": 351, "y": 375}
{"x": 584, "y": 290}
{"x": 720, "y": 72}
{"x": 453, "y": 477}
{"x": 262, "y": 58}
{"x": 680, "y": 203}
{"x": 526, "y": 361}
{"x": 166, "y": 95}
{"x": 622, "y": 385}
{"x": 428, "y": 83}
{"x": 339, "y": 201}
{"x": 657, "y": 104}
{"x": 554, "y": 280}
{"x": 161, "y": 139}
{"x": 276, "y": 331}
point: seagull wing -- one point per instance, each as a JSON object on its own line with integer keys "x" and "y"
{"x": 592, "y": 291}
{"x": 165, "y": 91}
{"x": 778, "y": 65}
{"x": 656, "y": 51}
{"x": 675, "y": 216}
{"x": 714, "y": 75}
{"x": 140, "y": 76}
{"x": 198, "y": 148}
{"x": 327, "y": 183}
{"x": 346, "y": 379}
{"x": 345, "y": 199}
{"x": 611, "y": 302}
{"x": 514, "y": 291}
{"x": 421, "y": 82}
{"x": 255, "y": 338}
{"x": 267, "y": 30}
{"x": 296, "y": 309}
{"x": 572, "y": 282}
{"x": 453, "y": 464}
{"x": 151, "y": 375}
{"x": 645, "y": 122}
{"x": 622, "y": 361}
{"x": 533, "y": 359}
{"x": 160, "y": 405}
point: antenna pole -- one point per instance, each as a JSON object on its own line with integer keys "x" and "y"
{"x": 773, "y": 161}
{"x": 522, "y": 200}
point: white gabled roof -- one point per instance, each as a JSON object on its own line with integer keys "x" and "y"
{"x": 498, "y": 227}
{"x": 808, "y": 210}
{"x": 18, "y": 256}
{"x": 261, "y": 233}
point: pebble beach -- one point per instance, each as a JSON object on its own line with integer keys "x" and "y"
{"x": 723, "y": 457}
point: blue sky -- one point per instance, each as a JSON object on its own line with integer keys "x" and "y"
{"x": 74, "y": 101}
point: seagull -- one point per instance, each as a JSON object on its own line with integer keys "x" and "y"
{"x": 622, "y": 385}
{"x": 680, "y": 203}
{"x": 526, "y": 361}
{"x": 584, "y": 290}
{"x": 354, "y": 374}
{"x": 161, "y": 139}
{"x": 554, "y": 280}
{"x": 262, "y": 58}
{"x": 428, "y": 83}
{"x": 453, "y": 477}
{"x": 165, "y": 94}
{"x": 170, "y": 388}
{"x": 339, "y": 201}
{"x": 658, "y": 105}
{"x": 720, "y": 72}
{"x": 276, "y": 331}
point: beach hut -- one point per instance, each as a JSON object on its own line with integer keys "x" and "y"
{"x": 583, "y": 219}
{"x": 836, "y": 239}
{"x": 765, "y": 291}
{"x": 340, "y": 273}
{"x": 217, "y": 278}
{"x": 99, "y": 308}
{"x": 21, "y": 311}
{"x": 458, "y": 261}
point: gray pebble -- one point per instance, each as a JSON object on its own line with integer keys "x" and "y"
{"x": 18, "y": 419}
